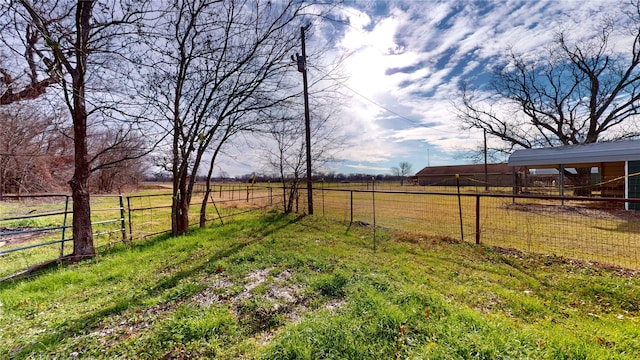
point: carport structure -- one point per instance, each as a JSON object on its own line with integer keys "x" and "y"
{"x": 618, "y": 164}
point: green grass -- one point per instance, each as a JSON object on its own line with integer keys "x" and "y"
{"x": 268, "y": 286}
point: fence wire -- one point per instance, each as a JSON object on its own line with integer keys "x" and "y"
{"x": 587, "y": 229}
{"x": 38, "y": 229}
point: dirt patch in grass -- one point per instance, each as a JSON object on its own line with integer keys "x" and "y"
{"x": 268, "y": 299}
{"x": 550, "y": 260}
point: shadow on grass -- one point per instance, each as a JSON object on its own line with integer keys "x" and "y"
{"x": 626, "y": 227}
{"x": 272, "y": 223}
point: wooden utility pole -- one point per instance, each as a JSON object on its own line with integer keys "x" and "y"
{"x": 302, "y": 67}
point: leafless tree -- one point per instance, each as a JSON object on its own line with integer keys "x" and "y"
{"x": 75, "y": 43}
{"x": 28, "y": 75}
{"x": 403, "y": 170}
{"x": 23, "y": 144}
{"x": 579, "y": 92}
{"x": 218, "y": 65}
{"x": 284, "y": 150}
{"x": 116, "y": 159}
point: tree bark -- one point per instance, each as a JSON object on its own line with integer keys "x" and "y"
{"x": 581, "y": 182}
{"x": 82, "y": 230}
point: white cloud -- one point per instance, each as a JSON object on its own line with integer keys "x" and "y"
{"x": 438, "y": 44}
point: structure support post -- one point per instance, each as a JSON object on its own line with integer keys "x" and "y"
{"x": 562, "y": 183}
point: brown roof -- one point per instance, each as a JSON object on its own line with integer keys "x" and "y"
{"x": 501, "y": 168}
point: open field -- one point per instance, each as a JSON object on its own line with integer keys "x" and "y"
{"x": 270, "y": 286}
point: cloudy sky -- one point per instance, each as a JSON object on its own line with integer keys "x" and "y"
{"x": 407, "y": 59}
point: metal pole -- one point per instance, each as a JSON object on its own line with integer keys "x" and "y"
{"x": 351, "y": 208}
{"x": 478, "y": 219}
{"x": 323, "y": 197}
{"x": 459, "y": 206}
{"x": 64, "y": 225}
{"x": 129, "y": 212}
{"x": 562, "y": 183}
{"x": 123, "y": 227}
{"x": 486, "y": 172}
{"x": 373, "y": 198}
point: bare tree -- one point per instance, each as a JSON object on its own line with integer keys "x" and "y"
{"x": 23, "y": 144}
{"x": 218, "y": 65}
{"x": 28, "y": 75}
{"x": 285, "y": 153}
{"x": 403, "y": 170}
{"x": 580, "y": 92}
{"x": 73, "y": 41}
{"x": 116, "y": 159}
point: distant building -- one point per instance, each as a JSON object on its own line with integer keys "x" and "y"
{"x": 470, "y": 175}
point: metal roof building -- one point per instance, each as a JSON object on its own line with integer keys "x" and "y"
{"x": 618, "y": 163}
{"x": 577, "y": 155}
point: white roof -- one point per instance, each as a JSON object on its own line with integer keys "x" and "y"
{"x": 587, "y": 154}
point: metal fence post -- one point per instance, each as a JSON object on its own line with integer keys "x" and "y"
{"x": 323, "y": 197}
{"x": 123, "y": 226}
{"x": 478, "y": 219}
{"x": 129, "y": 212}
{"x": 64, "y": 225}
{"x": 460, "y": 206}
{"x": 351, "y": 207}
{"x": 373, "y": 198}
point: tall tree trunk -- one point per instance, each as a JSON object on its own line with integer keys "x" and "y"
{"x": 180, "y": 206}
{"x": 82, "y": 231}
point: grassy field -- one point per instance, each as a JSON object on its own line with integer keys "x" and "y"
{"x": 268, "y": 286}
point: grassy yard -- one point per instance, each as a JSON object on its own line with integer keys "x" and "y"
{"x": 269, "y": 286}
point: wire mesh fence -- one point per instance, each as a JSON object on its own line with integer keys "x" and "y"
{"x": 151, "y": 214}
{"x": 588, "y": 229}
